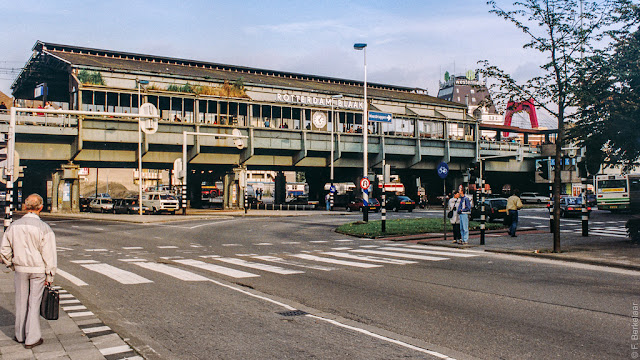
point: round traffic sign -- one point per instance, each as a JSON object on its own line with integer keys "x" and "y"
{"x": 365, "y": 183}
{"x": 443, "y": 170}
{"x": 238, "y": 140}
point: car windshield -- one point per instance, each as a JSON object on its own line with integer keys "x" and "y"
{"x": 167, "y": 197}
{"x": 404, "y": 198}
{"x": 500, "y": 203}
{"x": 574, "y": 201}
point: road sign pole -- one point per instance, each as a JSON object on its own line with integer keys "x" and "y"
{"x": 444, "y": 208}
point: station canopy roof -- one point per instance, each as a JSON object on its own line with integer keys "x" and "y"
{"x": 52, "y": 63}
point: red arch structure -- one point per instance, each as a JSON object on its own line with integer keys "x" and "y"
{"x": 517, "y": 106}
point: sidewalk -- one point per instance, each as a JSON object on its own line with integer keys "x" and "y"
{"x": 77, "y": 334}
{"x": 594, "y": 249}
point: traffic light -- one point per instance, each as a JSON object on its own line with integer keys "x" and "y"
{"x": 542, "y": 167}
{"x": 474, "y": 172}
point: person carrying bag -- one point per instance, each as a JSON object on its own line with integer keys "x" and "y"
{"x": 453, "y": 216}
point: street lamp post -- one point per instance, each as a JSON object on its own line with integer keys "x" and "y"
{"x": 333, "y": 127}
{"x": 140, "y": 82}
{"x": 365, "y": 132}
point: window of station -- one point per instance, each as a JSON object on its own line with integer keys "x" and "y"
{"x": 296, "y": 116}
{"x": 431, "y": 129}
{"x": 188, "y": 114}
{"x": 461, "y": 131}
{"x": 175, "y": 113}
{"x": 287, "y": 118}
{"x": 112, "y": 102}
{"x": 307, "y": 119}
{"x": 164, "y": 107}
{"x": 125, "y": 102}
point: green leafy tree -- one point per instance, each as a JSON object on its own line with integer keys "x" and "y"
{"x": 609, "y": 100}
{"x": 563, "y": 31}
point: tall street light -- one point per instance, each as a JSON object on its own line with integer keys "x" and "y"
{"x": 333, "y": 128}
{"x": 365, "y": 132}
{"x": 140, "y": 82}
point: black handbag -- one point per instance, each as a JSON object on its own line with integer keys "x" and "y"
{"x": 450, "y": 214}
{"x": 49, "y": 307}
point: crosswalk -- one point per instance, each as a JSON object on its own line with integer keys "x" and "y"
{"x": 194, "y": 268}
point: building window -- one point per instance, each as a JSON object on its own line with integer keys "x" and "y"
{"x": 472, "y": 91}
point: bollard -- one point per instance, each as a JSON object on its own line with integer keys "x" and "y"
{"x": 331, "y": 201}
{"x": 383, "y": 210}
{"x": 246, "y": 201}
{"x": 482, "y": 214}
{"x": 585, "y": 212}
{"x": 184, "y": 199}
{"x": 551, "y": 208}
{"x": 7, "y": 205}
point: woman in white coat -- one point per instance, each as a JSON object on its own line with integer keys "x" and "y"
{"x": 452, "y": 206}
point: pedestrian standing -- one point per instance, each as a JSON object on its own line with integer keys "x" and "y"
{"x": 452, "y": 208}
{"x": 29, "y": 248}
{"x": 464, "y": 210}
{"x": 327, "y": 200}
{"x": 513, "y": 205}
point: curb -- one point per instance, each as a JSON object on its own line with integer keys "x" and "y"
{"x": 565, "y": 258}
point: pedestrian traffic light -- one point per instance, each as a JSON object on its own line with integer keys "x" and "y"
{"x": 474, "y": 172}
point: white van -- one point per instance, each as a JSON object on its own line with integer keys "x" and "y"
{"x": 160, "y": 201}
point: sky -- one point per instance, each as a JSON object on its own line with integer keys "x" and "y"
{"x": 410, "y": 43}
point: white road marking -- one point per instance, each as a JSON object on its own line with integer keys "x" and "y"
{"x": 84, "y": 261}
{"x": 341, "y": 248}
{"x": 119, "y": 275}
{"x": 263, "y": 244}
{"x": 66, "y": 296}
{"x": 115, "y": 350}
{"x": 258, "y": 266}
{"x": 74, "y": 280}
{"x": 318, "y": 241}
{"x": 195, "y": 246}
{"x": 209, "y": 256}
{"x": 70, "y": 301}
{"x": 290, "y": 242}
{"x": 96, "y": 329}
{"x": 335, "y": 261}
{"x": 402, "y": 255}
{"x": 428, "y": 252}
{"x": 172, "y": 271}
{"x": 96, "y": 250}
{"x": 344, "y": 240}
{"x": 167, "y": 247}
{"x": 216, "y": 268}
{"x": 369, "y": 246}
{"x": 369, "y": 258}
{"x": 292, "y": 263}
{"x": 171, "y": 257}
{"x": 133, "y": 260}
{"x": 74, "y": 307}
{"x": 232, "y": 245}
{"x": 63, "y": 248}
{"x": 80, "y": 314}
{"x": 132, "y": 247}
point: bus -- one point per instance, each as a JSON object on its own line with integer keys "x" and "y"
{"x": 618, "y": 192}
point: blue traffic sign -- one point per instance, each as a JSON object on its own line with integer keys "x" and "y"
{"x": 443, "y": 170}
{"x": 332, "y": 189}
{"x": 380, "y": 116}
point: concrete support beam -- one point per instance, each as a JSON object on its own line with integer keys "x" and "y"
{"x": 303, "y": 151}
{"x": 381, "y": 154}
{"x": 249, "y": 149}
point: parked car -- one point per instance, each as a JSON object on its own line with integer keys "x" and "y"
{"x": 101, "y": 205}
{"x": 533, "y": 198}
{"x": 356, "y": 205}
{"x": 120, "y": 206}
{"x": 85, "y": 204}
{"x": 495, "y": 208}
{"x": 132, "y": 207}
{"x": 159, "y": 202}
{"x": 400, "y": 202}
{"x": 572, "y": 205}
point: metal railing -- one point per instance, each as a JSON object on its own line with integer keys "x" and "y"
{"x": 40, "y": 119}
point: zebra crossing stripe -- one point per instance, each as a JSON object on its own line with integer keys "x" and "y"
{"x": 604, "y": 233}
{"x": 172, "y": 271}
{"x": 74, "y": 307}
{"x": 74, "y": 280}
{"x": 428, "y": 252}
{"x": 96, "y": 329}
{"x": 119, "y": 275}
{"x": 216, "y": 268}
{"x": 282, "y": 261}
{"x": 80, "y": 314}
{"x": 369, "y": 258}
{"x": 263, "y": 267}
{"x": 335, "y": 261}
{"x": 402, "y": 255}
{"x": 115, "y": 350}
{"x": 72, "y": 301}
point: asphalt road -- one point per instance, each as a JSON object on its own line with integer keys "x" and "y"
{"x": 228, "y": 288}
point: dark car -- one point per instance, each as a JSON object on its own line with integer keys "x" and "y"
{"x": 591, "y": 200}
{"x": 572, "y": 205}
{"x": 120, "y": 206}
{"x": 356, "y": 205}
{"x": 401, "y": 202}
{"x": 495, "y": 208}
{"x": 84, "y": 204}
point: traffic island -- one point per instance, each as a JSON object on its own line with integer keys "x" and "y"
{"x": 408, "y": 229}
